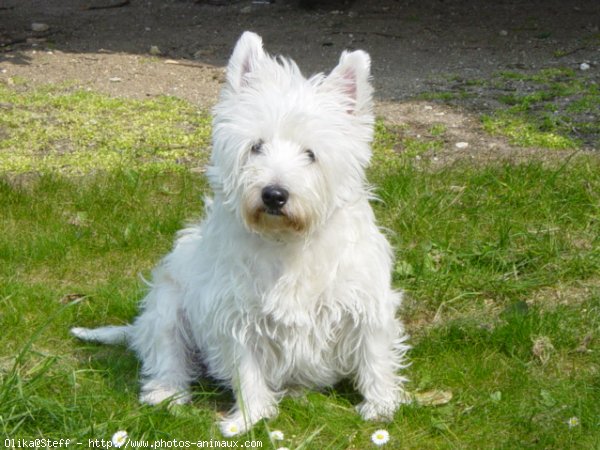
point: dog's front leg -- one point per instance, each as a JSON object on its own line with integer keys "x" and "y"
{"x": 254, "y": 399}
{"x": 381, "y": 354}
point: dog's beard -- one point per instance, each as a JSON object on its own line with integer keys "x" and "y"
{"x": 287, "y": 221}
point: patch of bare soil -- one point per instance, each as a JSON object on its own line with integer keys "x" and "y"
{"x": 144, "y": 48}
{"x": 572, "y": 294}
{"x": 463, "y": 137}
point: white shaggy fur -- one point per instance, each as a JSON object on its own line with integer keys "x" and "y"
{"x": 273, "y": 298}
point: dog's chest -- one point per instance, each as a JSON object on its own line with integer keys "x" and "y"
{"x": 313, "y": 354}
{"x": 304, "y": 317}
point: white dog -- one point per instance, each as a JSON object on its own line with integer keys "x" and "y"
{"x": 286, "y": 282}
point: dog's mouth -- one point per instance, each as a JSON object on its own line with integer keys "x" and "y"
{"x": 274, "y": 212}
{"x": 275, "y": 220}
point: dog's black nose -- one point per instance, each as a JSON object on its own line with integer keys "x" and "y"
{"x": 274, "y": 197}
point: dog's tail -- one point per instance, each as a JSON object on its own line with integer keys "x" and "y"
{"x": 105, "y": 335}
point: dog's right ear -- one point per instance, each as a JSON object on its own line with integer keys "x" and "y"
{"x": 246, "y": 56}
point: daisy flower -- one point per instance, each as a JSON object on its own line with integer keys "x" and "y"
{"x": 573, "y": 422}
{"x": 119, "y": 438}
{"x": 276, "y": 435}
{"x": 231, "y": 430}
{"x": 380, "y": 437}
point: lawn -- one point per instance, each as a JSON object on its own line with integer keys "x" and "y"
{"x": 500, "y": 263}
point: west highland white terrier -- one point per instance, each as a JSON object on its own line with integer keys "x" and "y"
{"x": 286, "y": 282}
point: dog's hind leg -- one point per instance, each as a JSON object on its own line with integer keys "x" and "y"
{"x": 160, "y": 338}
{"x": 254, "y": 399}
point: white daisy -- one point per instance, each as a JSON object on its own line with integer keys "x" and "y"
{"x": 380, "y": 437}
{"x": 231, "y": 430}
{"x": 283, "y": 448}
{"x": 119, "y": 438}
{"x": 573, "y": 422}
{"x": 276, "y": 435}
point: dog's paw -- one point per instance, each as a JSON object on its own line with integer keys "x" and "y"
{"x": 376, "y": 411}
{"x": 239, "y": 423}
{"x": 382, "y": 410}
{"x": 154, "y": 393}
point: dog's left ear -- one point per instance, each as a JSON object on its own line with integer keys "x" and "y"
{"x": 351, "y": 79}
{"x": 246, "y": 56}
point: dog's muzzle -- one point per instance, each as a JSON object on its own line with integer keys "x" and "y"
{"x": 274, "y": 198}
{"x": 272, "y": 212}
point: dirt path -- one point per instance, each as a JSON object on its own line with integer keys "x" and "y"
{"x": 142, "y": 48}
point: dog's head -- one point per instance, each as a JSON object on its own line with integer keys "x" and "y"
{"x": 289, "y": 151}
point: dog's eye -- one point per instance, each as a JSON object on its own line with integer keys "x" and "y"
{"x": 311, "y": 155}
{"x": 257, "y": 148}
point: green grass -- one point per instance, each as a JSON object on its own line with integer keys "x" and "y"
{"x": 73, "y": 130}
{"x": 494, "y": 259}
